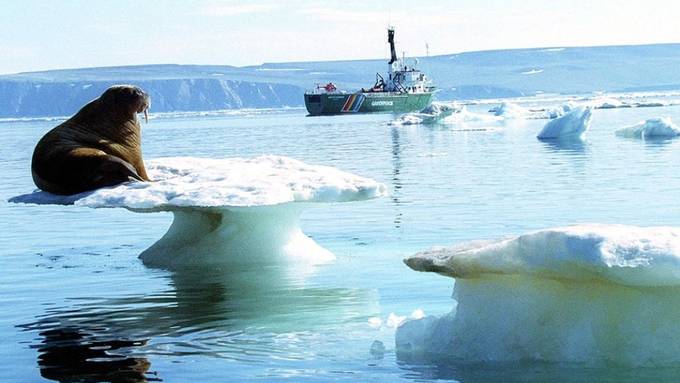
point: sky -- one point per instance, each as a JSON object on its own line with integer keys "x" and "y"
{"x": 40, "y": 35}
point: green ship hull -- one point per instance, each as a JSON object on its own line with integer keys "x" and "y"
{"x": 365, "y": 102}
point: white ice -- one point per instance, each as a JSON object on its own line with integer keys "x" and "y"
{"x": 589, "y": 293}
{"x": 652, "y": 128}
{"x": 431, "y": 114}
{"x": 608, "y": 103}
{"x": 233, "y": 211}
{"x": 509, "y": 110}
{"x": 560, "y": 111}
{"x": 572, "y": 125}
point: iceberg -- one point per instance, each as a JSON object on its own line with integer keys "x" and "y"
{"x": 591, "y": 293}
{"x": 572, "y": 125}
{"x": 231, "y": 212}
{"x": 651, "y": 128}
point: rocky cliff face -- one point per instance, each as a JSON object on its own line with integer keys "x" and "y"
{"x": 23, "y": 97}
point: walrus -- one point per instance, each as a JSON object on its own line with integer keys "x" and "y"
{"x": 99, "y": 146}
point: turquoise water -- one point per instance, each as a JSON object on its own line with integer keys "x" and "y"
{"x": 76, "y": 304}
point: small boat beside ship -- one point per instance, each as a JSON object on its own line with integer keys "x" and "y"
{"x": 406, "y": 89}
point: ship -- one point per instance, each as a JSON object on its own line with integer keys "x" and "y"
{"x": 405, "y": 89}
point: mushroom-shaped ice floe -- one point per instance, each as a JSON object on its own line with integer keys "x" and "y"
{"x": 228, "y": 211}
{"x": 571, "y": 126}
{"x": 588, "y": 293}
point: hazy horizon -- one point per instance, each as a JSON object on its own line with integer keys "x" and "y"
{"x": 39, "y": 36}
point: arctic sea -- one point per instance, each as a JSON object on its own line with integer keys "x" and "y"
{"x": 76, "y": 303}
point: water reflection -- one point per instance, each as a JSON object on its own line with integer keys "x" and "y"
{"x": 68, "y": 353}
{"x": 657, "y": 142}
{"x": 204, "y": 312}
{"x": 565, "y": 146}
{"x": 247, "y": 298}
{"x": 531, "y": 372}
{"x": 396, "y": 179}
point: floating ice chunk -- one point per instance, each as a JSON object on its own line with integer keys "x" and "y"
{"x": 465, "y": 115}
{"x": 652, "y": 128}
{"x": 651, "y": 104}
{"x": 431, "y": 114}
{"x": 417, "y": 314}
{"x": 572, "y": 125}
{"x": 431, "y": 335}
{"x": 588, "y": 293}
{"x": 560, "y": 110}
{"x": 375, "y": 322}
{"x": 236, "y": 182}
{"x": 509, "y": 110}
{"x": 627, "y": 255}
{"x": 228, "y": 210}
{"x": 439, "y": 108}
{"x": 608, "y": 103}
{"x": 394, "y": 320}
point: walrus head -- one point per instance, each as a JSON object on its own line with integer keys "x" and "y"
{"x": 125, "y": 101}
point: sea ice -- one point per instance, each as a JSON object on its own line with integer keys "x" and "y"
{"x": 509, "y": 110}
{"x": 609, "y": 103}
{"x": 590, "y": 293}
{"x": 652, "y": 128}
{"x": 572, "y": 125}
{"x": 560, "y": 110}
{"x": 431, "y": 114}
{"x": 230, "y": 211}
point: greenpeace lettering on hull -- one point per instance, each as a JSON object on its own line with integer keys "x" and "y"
{"x": 382, "y": 103}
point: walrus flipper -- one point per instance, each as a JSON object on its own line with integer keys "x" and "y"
{"x": 113, "y": 171}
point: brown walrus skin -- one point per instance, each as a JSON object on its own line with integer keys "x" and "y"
{"x": 99, "y": 146}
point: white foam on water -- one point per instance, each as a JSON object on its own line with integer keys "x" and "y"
{"x": 651, "y": 128}
{"x": 572, "y": 125}
{"x": 590, "y": 293}
{"x": 228, "y": 211}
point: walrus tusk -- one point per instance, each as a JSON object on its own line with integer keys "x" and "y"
{"x": 146, "y": 115}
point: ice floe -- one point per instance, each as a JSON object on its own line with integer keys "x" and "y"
{"x": 591, "y": 293}
{"x": 650, "y": 129}
{"x": 572, "y": 125}
{"x": 509, "y": 110}
{"x": 228, "y": 210}
{"x": 560, "y": 111}
{"x": 434, "y": 113}
{"x": 608, "y": 103}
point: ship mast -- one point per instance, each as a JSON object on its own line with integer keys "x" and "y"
{"x": 390, "y": 39}
{"x": 393, "y": 64}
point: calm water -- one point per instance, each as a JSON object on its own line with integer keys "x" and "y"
{"x": 77, "y": 305}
